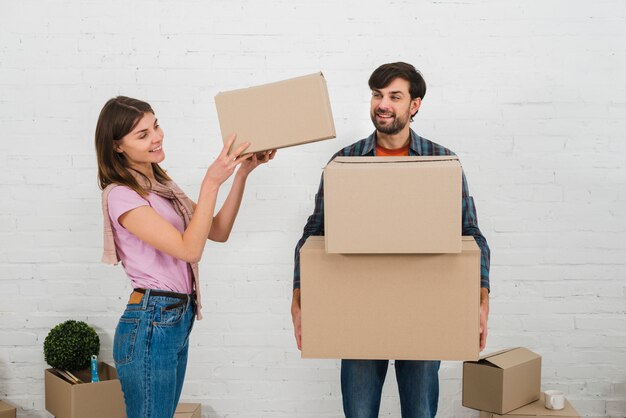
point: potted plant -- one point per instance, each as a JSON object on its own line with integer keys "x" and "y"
{"x": 69, "y": 347}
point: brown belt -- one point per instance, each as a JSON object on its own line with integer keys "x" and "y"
{"x": 137, "y": 296}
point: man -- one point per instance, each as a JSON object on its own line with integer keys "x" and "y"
{"x": 397, "y": 93}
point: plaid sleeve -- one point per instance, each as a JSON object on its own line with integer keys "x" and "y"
{"x": 470, "y": 227}
{"x": 314, "y": 226}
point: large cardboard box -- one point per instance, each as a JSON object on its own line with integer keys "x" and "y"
{"x": 391, "y": 306}
{"x": 393, "y": 205}
{"x": 537, "y": 410}
{"x": 502, "y": 381}
{"x": 103, "y": 399}
{"x": 277, "y": 115}
{"x": 188, "y": 410}
{"x": 7, "y": 410}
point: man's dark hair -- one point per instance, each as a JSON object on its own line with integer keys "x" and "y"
{"x": 386, "y": 73}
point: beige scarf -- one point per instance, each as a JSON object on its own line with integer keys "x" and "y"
{"x": 182, "y": 205}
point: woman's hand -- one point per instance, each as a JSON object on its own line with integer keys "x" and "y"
{"x": 225, "y": 219}
{"x": 224, "y": 165}
{"x": 257, "y": 159}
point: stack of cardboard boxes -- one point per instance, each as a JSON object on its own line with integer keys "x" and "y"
{"x": 393, "y": 278}
{"x": 508, "y": 384}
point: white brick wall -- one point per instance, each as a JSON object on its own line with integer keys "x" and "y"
{"x": 530, "y": 94}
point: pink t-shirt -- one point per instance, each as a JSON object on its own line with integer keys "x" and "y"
{"x": 147, "y": 267}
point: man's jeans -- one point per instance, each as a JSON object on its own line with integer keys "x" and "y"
{"x": 150, "y": 352}
{"x": 362, "y": 385}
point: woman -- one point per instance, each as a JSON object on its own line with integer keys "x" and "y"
{"x": 158, "y": 234}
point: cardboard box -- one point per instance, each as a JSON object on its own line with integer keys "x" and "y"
{"x": 397, "y": 205}
{"x": 537, "y": 410}
{"x": 188, "y": 410}
{"x": 103, "y": 399}
{"x": 502, "y": 381}
{"x": 277, "y": 115}
{"x": 7, "y": 410}
{"x": 391, "y": 306}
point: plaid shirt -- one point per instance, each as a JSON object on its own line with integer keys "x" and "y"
{"x": 418, "y": 146}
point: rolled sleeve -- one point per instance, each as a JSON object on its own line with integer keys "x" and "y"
{"x": 470, "y": 228}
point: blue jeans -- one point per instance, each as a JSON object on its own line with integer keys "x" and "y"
{"x": 150, "y": 352}
{"x": 362, "y": 385}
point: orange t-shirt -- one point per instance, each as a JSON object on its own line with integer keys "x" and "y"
{"x": 386, "y": 152}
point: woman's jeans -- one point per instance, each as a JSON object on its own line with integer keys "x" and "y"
{"x": 150, "y": 353}
{"x": 362, "y": 385}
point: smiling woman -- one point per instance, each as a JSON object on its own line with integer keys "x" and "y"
{"x": 158, "y": 234}
{"x": 144, "y": 145}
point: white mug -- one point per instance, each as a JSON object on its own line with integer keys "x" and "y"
{"x": 555, "y": 399}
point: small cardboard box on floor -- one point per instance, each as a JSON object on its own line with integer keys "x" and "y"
{"x": 390, "y": 306}
{"x": 537, "y": 409}
{"x": 502, "y": 381}
{"x": 277, "y": 115}
{"x": 393, "y": 205}
{"x": 103, "y": 399}
{"x": 7, "y": 410}
{"x": 188, "y": 410}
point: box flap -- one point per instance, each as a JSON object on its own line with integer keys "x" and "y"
{"x": 485, "y": 356}
{"x": 401, "y": 159}
{"x": 511, "y": 358}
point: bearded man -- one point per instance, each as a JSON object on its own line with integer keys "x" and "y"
{"x": 397, "y": 93}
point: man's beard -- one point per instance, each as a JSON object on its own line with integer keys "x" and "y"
{"x": 392, "y": 128}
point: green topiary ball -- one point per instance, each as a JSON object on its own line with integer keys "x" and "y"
{"x": 70, "y": 345}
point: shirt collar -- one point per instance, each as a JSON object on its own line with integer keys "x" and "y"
{"x": 415, "y": 146}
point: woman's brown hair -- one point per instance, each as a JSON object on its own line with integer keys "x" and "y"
{"x": 118, "y": 117}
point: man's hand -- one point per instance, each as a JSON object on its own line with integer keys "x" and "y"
{"x": 484, "y": 314}
{"x": 295, "y": 316}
